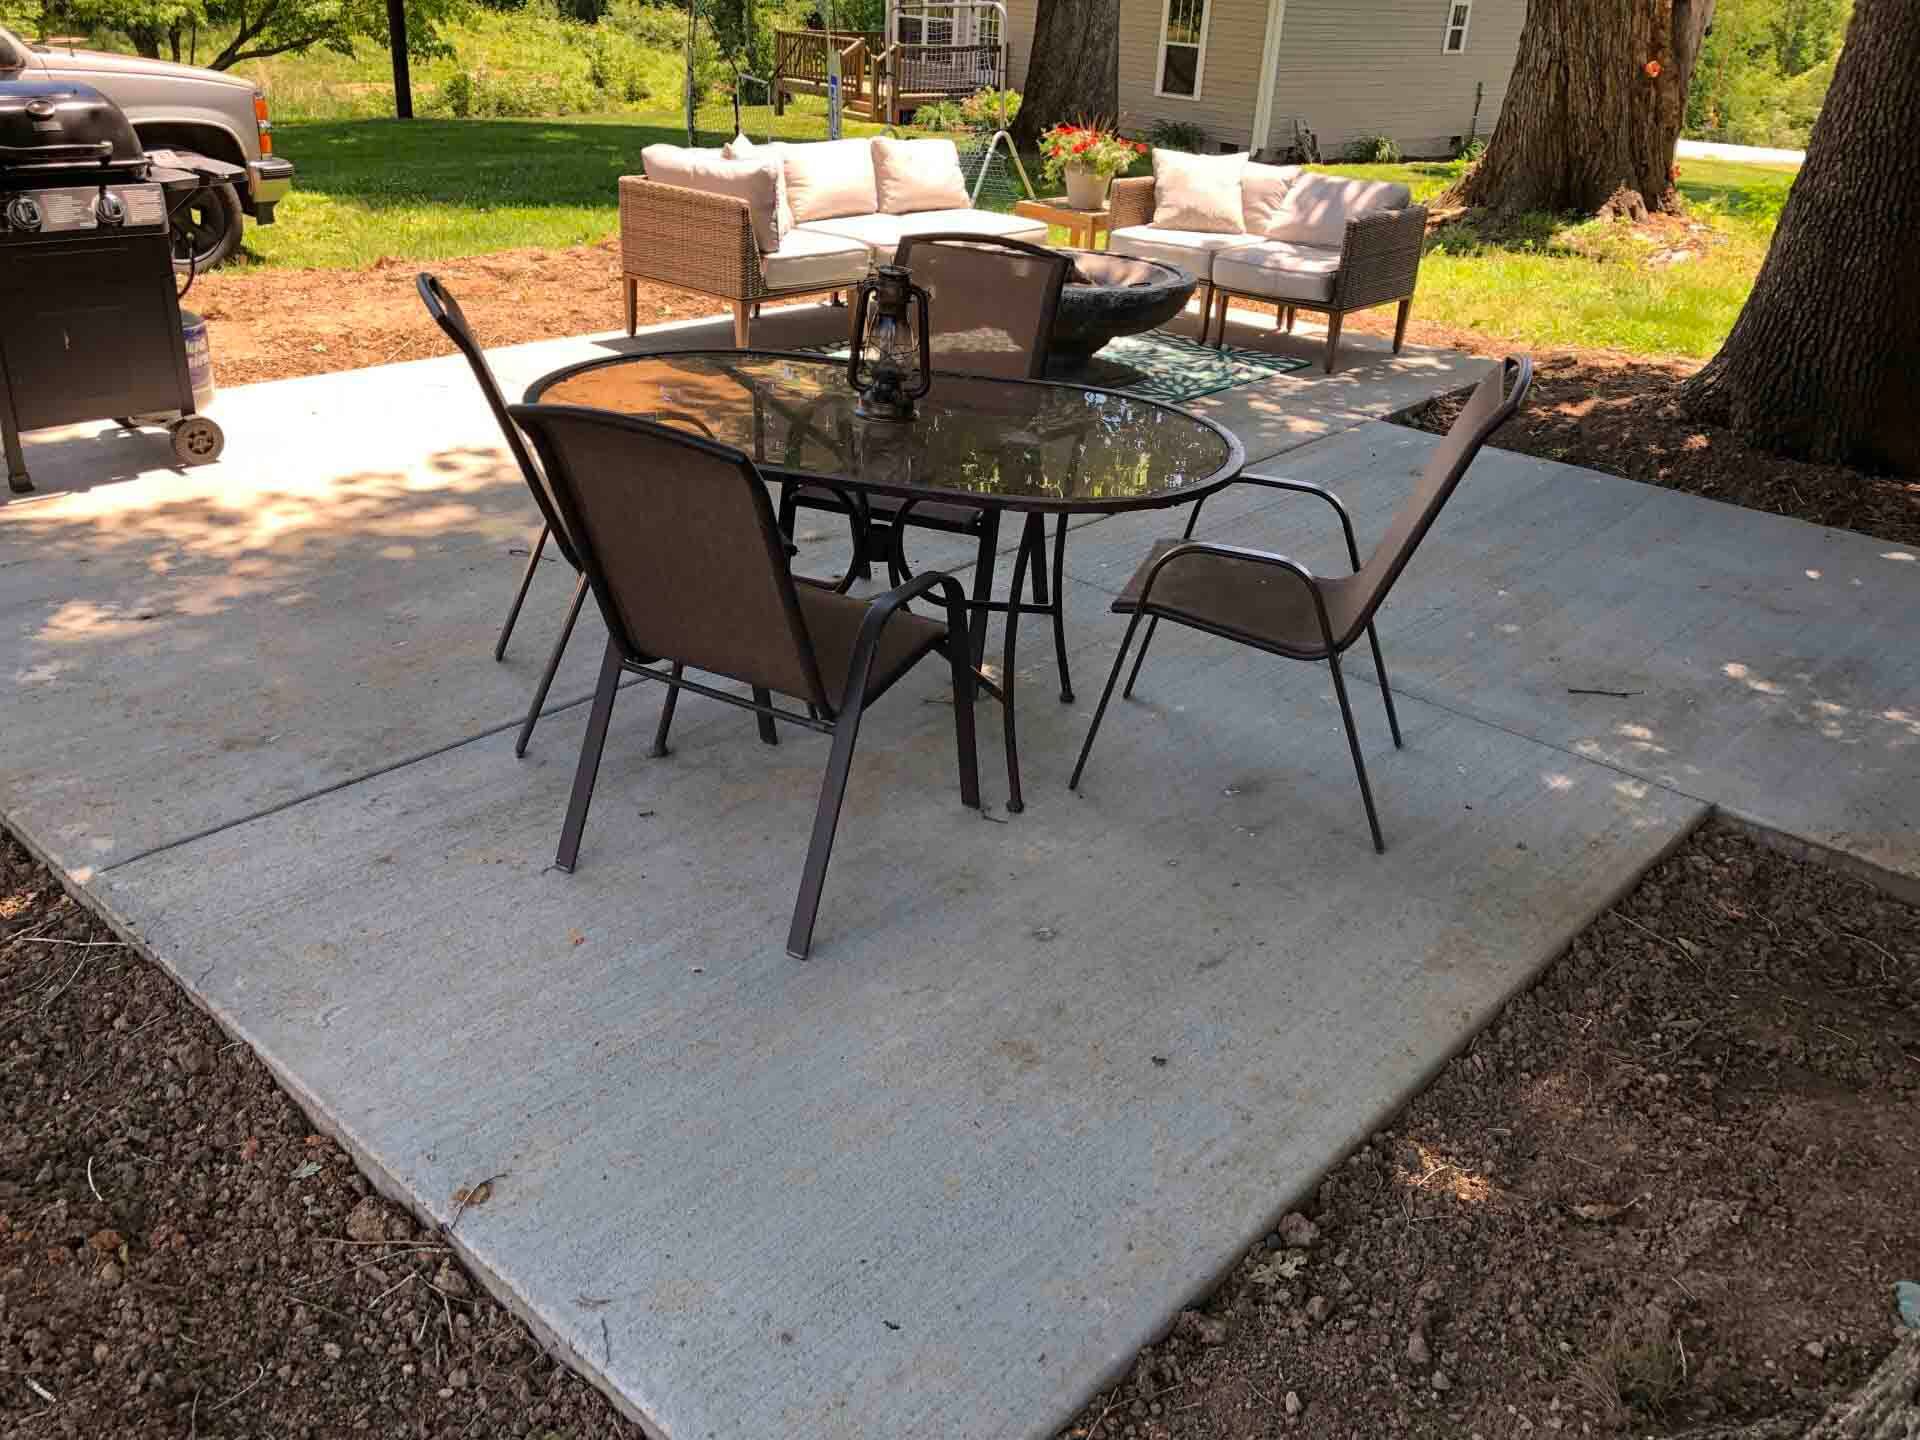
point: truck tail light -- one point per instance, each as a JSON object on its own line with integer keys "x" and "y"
{"x": 265, "y": 125}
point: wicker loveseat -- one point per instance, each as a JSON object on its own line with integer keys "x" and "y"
{"x": 774, "y": 222}
{"x": 1338, "y": 246}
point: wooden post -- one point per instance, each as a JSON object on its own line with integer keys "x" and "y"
{"x": 402, "y": 78}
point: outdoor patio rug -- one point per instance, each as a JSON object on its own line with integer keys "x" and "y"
{"x": 1160, "y": 365}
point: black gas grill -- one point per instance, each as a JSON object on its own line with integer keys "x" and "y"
{"x": 89, "y": 312}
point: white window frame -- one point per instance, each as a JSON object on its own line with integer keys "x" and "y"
{"x": 1465, "y": 28}
{"x": 1200, "y": 53}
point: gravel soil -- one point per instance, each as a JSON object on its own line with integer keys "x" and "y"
{"x": 1673, "y": 1183}
{"x": 1672, "y": 1186}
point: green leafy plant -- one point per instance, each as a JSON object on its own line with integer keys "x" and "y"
{"x": 1374, "y": 150}
{"x": 1091, "y": 146}
{"x": 1182, "y": 135}
{"x": 991, "y": 109}
{"x": 944, "y": 116}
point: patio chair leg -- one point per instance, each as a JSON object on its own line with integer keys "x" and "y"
{"x": 633, "y": 304}
{"x": 742, "y": 325}
{"x": 1141, "y": 658}
{"x": 1029, "y": 542}
{"x": 1353, "y": 744}
{"x": 1289, "y": 319}
{"x": 553, "y": 666}
{"x": 520, "y": 594}
{"x": 963, "y": 731}
{"x": 768, "y": 735}
{"x": 1400, "y": 324}
{"x": 659, "y": 750}
{"x": 1333, "y": 341}
{"x": 1060, "y": 609}
{"x": 588, "y": 770}
{"x": 826, "y": 820}
{"x": 1386, "y": 690}
{"x": 1100, "y": 711}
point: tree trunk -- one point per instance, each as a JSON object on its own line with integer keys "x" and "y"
{"x": 1886, "y": 1407}
{"x": 1824, "y": 361}
{"x": 1593, "y": 109}
{"x": 402, "y": 74}
{"x": 1075, "y": 69}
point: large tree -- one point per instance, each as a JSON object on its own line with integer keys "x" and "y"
{"x": 1824, "y": 361}
{"x": 1593, "y": 109}
{"x": 1074, "y": 68}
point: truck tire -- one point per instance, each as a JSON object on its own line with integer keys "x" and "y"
{"x": 207, "y": 228}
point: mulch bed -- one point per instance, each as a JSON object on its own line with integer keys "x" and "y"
{"x": 1672, "y": 1183}
{"x": 1671, "y": 1186}
{"x": 1618, "y": 414}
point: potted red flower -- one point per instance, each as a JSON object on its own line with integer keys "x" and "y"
{"x": 1087, "y": 155}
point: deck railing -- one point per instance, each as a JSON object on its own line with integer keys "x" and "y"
{"x": 875, "y": 78}
{"x": 802, "y": 54}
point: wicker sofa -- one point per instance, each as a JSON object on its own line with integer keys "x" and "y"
{"x": 833, "y": 211}
{"x": 1344, "y": 245}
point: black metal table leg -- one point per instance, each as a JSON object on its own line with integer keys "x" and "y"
{"x": 983, "y": 565}
{"x": 1032, "y": 539}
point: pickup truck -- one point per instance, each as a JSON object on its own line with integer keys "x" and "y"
{"x": 182, "y": 108}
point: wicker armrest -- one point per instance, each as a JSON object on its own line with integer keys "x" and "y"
{"x": 1380, "y": 259}
{"x": 689, "y": 238}
{"x": 1131, "y": 202}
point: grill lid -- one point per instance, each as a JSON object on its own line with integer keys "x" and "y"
{"x": 55, "y": 125}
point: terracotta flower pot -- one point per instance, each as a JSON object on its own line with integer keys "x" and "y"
{"x": 1086, "y": 190}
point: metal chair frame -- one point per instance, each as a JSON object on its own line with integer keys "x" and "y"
{"x": 1516, "y": 379}
{"x": 838, "y": 718}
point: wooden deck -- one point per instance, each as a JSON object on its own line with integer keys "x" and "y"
{"x": 878, "y": 81}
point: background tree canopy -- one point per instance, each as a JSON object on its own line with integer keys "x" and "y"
{"x": 1765, "y": 69}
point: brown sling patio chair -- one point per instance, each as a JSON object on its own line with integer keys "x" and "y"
{"x": 676, "y": 536}
{"x": 1278, "y": 605}
{"x": 990, "y": 309}
{"x": 447, "y": 314}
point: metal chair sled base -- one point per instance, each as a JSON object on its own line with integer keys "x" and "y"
{"x": 843, "y": 724}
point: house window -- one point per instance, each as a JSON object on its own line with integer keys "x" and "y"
{"x": 1183, "y": 38}
{"x": 1459, "y": 12}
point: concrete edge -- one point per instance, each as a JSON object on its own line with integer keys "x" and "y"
{"x": 1898, "y": 884}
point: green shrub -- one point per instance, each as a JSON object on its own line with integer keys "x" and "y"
{"x": 991, "y": 109}
{"x": 1181, "y": 135}
{"x": 943, "y": 116}
{"x": 1374, "y": 150}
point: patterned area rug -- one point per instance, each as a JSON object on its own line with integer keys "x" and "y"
{"x": 1163, "y": 366}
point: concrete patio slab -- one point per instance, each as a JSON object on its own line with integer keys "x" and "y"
{"x": 1038, "y": 1085}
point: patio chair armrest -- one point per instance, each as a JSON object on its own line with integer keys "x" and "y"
{"x": 688, "y": 238}
{"x": 1301, "y": 487}
{"x": 1380, "y": 258}
{"x": 1131, "y": 202}
{"x": 1241, "y": 552}
{"x": 883, "y": 608}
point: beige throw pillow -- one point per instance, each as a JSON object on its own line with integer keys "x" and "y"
{"x": 1316, "y": 208}
{"x": 741, "y": 148}
{"x": 756, "y": 181}
{"x": 830, "y": 178}
{"x": 911, "y": 175}
{"x": 1198, "y": 192}
{"x": 1262, "y": 187}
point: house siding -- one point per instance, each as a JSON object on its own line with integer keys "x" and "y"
{"x": 1021, "y": 17}
{"x": 1349, "y": 68}
{"x": 1229, "y": 84}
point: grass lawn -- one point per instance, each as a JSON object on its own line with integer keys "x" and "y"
{"x": 435, "y": 189}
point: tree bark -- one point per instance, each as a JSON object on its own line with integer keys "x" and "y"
{"x": 1824, "y": 361}
{"x": 1593, "y": 109}
{"x": 1075, "y": 67}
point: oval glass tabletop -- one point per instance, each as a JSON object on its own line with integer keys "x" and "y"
{"x": 1018, "y": 444}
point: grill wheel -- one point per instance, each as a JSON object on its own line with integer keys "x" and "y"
{"x": 197, "y": 440}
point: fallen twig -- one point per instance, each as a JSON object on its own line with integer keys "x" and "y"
{"x": 1610, "y": 694}
{"x": 474, "y": 1195}
{"x": 250, "y": 1387}
{"x": 90, "y": 1185}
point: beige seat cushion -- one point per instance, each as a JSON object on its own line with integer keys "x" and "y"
{"x": 1261, "y": 189}
{"x": 830, "y": 178}
{"x": 810, "y": 260}
{"x": 1280, "y": 270}
{"x": 1191, "y": 250}
{"x": 912, "y": 175}
{"x": 755, "y": 180}
{"x": 1316, "y": 208}
{"x": 1198, "y": 192}
{"x": 881, "y": 233}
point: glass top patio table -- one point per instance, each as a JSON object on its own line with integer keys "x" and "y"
{"x": 1027, "y": 445}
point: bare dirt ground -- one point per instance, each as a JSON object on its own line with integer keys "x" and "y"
{"x": 1671, "y": 1184}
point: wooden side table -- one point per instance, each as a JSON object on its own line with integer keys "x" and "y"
{"x": 1083, "y": 227}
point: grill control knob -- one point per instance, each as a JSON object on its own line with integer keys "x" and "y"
{"x": 110, "y": 209}
{"x": 23, "y": 213}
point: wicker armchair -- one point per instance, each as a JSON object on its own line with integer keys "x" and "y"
{"x": 696, "y": 240}
{"x": 1379, "y": 264}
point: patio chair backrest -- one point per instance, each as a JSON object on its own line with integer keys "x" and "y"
{"x": 1493, "y": 402}
{"x": 448, "y": 315}
{"x": 990, "y": 302}
{"x": 676, "y": 536}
